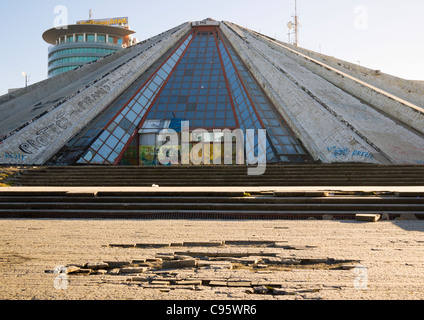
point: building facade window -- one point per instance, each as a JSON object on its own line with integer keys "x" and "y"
{"x": 85, "y": 54}
{"x": 91, "y": 38}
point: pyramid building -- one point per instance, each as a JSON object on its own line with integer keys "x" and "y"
{"x": 201, "y": 79}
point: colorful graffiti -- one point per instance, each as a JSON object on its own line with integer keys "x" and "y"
{"x": 344, "y": 152}
{"x": 12, "y": 155}
{"x": 338, "y": 152}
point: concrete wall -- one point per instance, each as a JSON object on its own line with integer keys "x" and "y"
{"x": 40, "y": 140}
{"x": 411, "y": 91}
{"x": 323, "y": 135}
{"x": 333, "y": 125}
{"x": 27, "y": 104}
{"x": 401, "y": 110}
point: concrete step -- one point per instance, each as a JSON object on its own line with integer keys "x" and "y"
{"x": 209, "y": 203}
{"x": 201, "y": 198}
{"x": 132, "y": 204}
{"x": 226, "y": 175}
{"x": 96, "y": 201}
{"x": 237, "y": 184}
{"x": 241, "y": 207}
{"x": 187, "y": 214}
{"x": 275, "y": 175}
{"x": 216, "y": 176}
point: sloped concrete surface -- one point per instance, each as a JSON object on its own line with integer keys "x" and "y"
{"x": 322, "y": 104}
{"x": 35, "y": 133}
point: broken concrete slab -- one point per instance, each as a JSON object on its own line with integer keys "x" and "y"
{"x": 249, "y": 242}
{"x": 101, "y": 272}
{"x": 177, "y": 244}
{"x": 138, "y": 261}
{"x": 282, "y": 292}
{"x": 118, "y": 245}
{"x": 179, "y": 264}
{"x": 272, "y": 260}
{"x": 245, "y": 260}
{"x": 261, "y": 290}
{"x": 81, "y": 271}
{"x": 348, "y": 266}
{"x": 160, "y": 283}
{"x": 385, "y": 216}
{"x": 203, "y": 244}
{"x": 82, "y": 194}
{"x": 268, "y": 284}
{"x": 152, "y": 245}
{"x": 183, "y": 257}
{"x": 215, "y": 265}
{"x": 165, "y": 256}
{"x": 368, "y": 217}
{"x": 290, "y": 261}
{"x": 138, "y": 279}
{"x": 117, "y": 264}
{"x": 218, "y": 283}
{"x": 72, "y": 269}
{"x": 289, "y": 194}
{"x": 96, "y": 265}
{"x": 114, "y": 271}
{"x": 407, "y": 216}
{"x": 133, "y": 270}
{"x": 314, "y": 260}
{"x": 239, "y": 284}
{"x": 190, "y": 282}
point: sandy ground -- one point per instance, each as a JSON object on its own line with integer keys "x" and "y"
{"x": 392, "y": 253}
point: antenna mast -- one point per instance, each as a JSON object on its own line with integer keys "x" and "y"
{"x": 296, "y": 26}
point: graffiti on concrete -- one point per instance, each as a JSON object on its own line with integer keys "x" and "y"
{"x": 47, "y": 135}
{"x": 362, "y": 154}
{"x": 338, "y": 152}
{"x": 12, "y": 155}
{"x": 344, "y": 152}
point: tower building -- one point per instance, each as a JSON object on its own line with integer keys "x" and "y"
{"x": 86, "y": 41}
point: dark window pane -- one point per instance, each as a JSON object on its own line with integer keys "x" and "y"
{"x": 191, "y": 107}
{"x": 189, "y": 72}
{"x": 183, "y": 99}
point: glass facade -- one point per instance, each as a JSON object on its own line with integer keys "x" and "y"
{"x": 78, "y": 60}
{"x": 286, "y": 145}
{"x": 76, "y": 147}
{"x": 197, "y": 90}
{"x": 60, "y": 70}
{"x": 107, "y": 148}
{"x": 73, "y": 51}
{"x": 202, "y": 82}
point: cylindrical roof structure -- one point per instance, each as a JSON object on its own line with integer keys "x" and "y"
{"x": 51, "y": 35}
{"x": 84, "y": 42}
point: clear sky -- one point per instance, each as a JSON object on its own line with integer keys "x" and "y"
{"x": 380, "y": 34}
